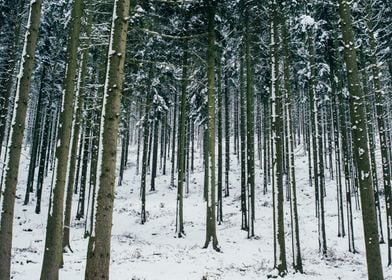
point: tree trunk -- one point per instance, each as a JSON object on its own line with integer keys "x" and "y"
{"x": 210, "y": 215}
{"x": 16, "y": 136}
{"x": 296, "y": 245}
{"x": 277, "y": 157}
{"x": 360, "y": 140}
{"x": 181, "y": 147}
{"x": 244, "y": 215}
{"x": 75, "y": 139}
{"x": 36, "y": 137}
{"x": 10, "y": 63}
{"x": 219, "y": 210}
{"x": 155, "y": 144}
{"x": 250, "y": 136}
{"x": 98, "y": 257}
{"x": 382, "y": 130}
{"x": 227, "y": 136}
{"x": 43, "y": 159}
{"x": 54, "y": 229}
{"x": 174, "y": 132}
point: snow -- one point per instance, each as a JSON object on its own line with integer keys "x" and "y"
{"x": 139, "y": 9}
{"x": 151, "y": 251}
{"x": 17, "y": 93}
{"x": 306, "y": 21}
{"x": 104, "y": 101}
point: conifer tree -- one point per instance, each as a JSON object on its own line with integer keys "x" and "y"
{"x": 16, "y": 136}
{"x": 54, "y": 229}
{"x": 211, "y": 235}
{"x": 98, "y": 255}
{"x": 361, "y": 151}
{"x": 277, "y": 151}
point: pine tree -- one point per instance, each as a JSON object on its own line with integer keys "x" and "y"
{"x": 227, "y": 136}
{"x": 181, "y": 146}
{"x": 250, "y": 137}
{"x": 211, "y": 235}
{"x": 98, "y": 255}
{"x": 244, "y": 208}
{"x": 54, "y": 228}
{"x": 289, "y": 99}
{"x": 316, "y": 139}
{"x": 16, "y": 137}
{"x": 379, "y": 99}
{"x": 79, "y": 102}
{"x": 277, "y": 144}
{"x": 361, "y": 150}
{"x": 15, "y": 10}
{"x": 219, "y": 208}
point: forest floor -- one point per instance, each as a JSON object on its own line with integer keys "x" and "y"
{"x": 151, "y": 251}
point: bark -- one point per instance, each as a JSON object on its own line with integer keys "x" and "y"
{"x": 296, "y": 245}
{"x": 244, "y": 220}
{"x": 336, "y": 124}
{"x": 146, "y": 133}
{"x": 250, "y": 137}
{"x": 139, "y": 134}
{"x": 10, "y": 63}
{"x": 16, "y": 137}
{"x": 75, "y": 142}
{"x": 265, "y": 145}
{"x": 211, "y": 235}
{"x": 43, "y": 158}
{"x": 85, "y": 164}
{"x": 54, "y": 229}
{"x": 227, "y": 137}
{"x": 181, "y": 147}
{"x": 98, "y": 257}
{"x": 277, "y": 155}
{"x": 370, "y": 112}
{"x": 36, "y": 139}
{"x": 361, "y": 151}
{"x": 155, "y": 144}
{"x": 219, "y": 210}
{"x": 174, "y": 132}
{"x": 317, "y": 146}
{"x": 382, "y": 130}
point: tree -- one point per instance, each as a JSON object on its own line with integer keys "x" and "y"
{"x": 98, "y": 255}
{"x": 210, "y": 215}
{"x": 16, "y": 136}
{"x": 379, "y": 100}
{"x": 219, "y": 208}
{"x": 277, "y": 152}
{"x": 75, "y": 135}
{"x": 54, "y": 229}
{"x": 15, "y": 9}
{"x": 361, "y": 150}
{"x": 250, "y": 135}
{"x": 289, "y": 99}
{"x": 244, "y": 216}
{"x": 181, "y": 146}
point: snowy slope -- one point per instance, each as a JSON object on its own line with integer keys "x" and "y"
{"x": 151, "y": 251}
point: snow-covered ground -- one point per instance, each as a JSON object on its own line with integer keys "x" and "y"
{"x": 151, "y": 251}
